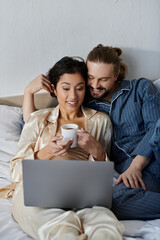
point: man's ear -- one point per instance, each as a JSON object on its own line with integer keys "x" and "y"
{"x": 116, "y": 76}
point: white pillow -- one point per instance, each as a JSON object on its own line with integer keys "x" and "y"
{"x": 157, "y": 83}
{"x": 10, "y": 130}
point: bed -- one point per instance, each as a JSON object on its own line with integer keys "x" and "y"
{"x": 10, "y": 130}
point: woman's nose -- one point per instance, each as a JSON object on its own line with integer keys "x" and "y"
{"x": 73, "y": 94}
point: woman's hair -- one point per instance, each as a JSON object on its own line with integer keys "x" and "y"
{"x": 67, "y": 65}
{"x": 109, "y": 55}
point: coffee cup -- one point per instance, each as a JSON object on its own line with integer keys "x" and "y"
{"x": 70, "y": 131}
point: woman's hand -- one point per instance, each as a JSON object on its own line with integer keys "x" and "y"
{"x": 132, "y": 177}
{"x": 52, "y": 149}
{"x": 90, "y": 145}
{"x": 39, "y": 83}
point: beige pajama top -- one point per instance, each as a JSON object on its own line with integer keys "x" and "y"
{"x": 40, "y": 223}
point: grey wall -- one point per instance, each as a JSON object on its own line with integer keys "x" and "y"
{"x": 34, "y": 34}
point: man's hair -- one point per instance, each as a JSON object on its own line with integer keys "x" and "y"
{"x": 67, "y": 65}
{"x": 109, "y": 55}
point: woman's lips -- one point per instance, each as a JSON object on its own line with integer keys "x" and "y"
{"x": 72, "y": 103}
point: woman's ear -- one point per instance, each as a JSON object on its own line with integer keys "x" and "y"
{"x": 55, "y": 92}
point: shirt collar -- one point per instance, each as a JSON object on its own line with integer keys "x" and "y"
{"x": 125, "y": 85}
{"x": 53, "y": 116}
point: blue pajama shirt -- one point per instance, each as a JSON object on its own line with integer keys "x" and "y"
{"x": 135, "y": 114}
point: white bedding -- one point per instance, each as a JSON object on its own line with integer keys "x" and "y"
{"x": 10, "y": 129}
{"x": 9, "y": 229}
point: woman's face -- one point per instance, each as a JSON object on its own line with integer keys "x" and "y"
{"x": 70, "y": 91}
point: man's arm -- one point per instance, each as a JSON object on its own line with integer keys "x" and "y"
{"x": 39, "y": 83}
{"x": 28, "y": 104}
{"x": 150, "y": 97}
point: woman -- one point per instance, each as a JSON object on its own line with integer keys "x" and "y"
{"x": 41, "y": 139}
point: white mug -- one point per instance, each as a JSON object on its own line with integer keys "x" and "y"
{"x": 70, "y": 131}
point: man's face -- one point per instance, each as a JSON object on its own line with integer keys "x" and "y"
{"x": 101, "y": 79}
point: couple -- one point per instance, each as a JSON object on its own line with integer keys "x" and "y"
{"x": 134, "y": 108}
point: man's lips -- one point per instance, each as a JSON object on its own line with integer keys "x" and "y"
{"x": 96, "y": 91}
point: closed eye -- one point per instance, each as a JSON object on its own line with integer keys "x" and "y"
{"x": 90, "y": 77}
{"x": 80, "y": 89}
{"x": 105, "y": 79}
{"x": 66, "y": 89}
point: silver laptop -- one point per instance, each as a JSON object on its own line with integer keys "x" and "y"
{"x": 67, "y": 184}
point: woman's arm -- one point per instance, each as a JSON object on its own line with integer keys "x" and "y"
{"x": 89, "y": 144}
{"x": 29, "y": 144}
{"x": 26, "y": 147}
{"x": 39, "y": 83}
{"x": 52, "y": 149}
{"x": 98, "y": 145}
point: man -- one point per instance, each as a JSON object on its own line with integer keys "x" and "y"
{"x": 134, "y": 108}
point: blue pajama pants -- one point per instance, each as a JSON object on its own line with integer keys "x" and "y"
{"x": 135, "y": 203}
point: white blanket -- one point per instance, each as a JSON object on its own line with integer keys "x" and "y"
{"x": 9, "y": 229}
{"x": 10, "y": 125}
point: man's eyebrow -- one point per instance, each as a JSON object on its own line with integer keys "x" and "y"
{"x": 104, "y": 77}
{"x": 100, "y": 77}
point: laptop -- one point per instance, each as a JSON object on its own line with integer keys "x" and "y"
{"x": 67, "y": 184}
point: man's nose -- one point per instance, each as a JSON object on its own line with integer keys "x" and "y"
{"x": 95, "y": 83}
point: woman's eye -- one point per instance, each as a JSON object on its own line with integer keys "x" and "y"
{"x": 66, "y": 89}
{"x": 79, "y": 89}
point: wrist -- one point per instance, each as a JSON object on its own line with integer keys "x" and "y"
{"x": 43, "y": 154}
{"x": 99, "y": 157}
{"x": 28, "y": 91}
{"x": 139, "y": 162}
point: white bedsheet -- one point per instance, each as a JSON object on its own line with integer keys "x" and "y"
{"x": 9, "y": 229}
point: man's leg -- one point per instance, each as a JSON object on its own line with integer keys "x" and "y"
{"x": 135, "y": 203}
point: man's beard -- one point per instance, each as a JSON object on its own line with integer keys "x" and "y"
{"x": 105, "y": 94}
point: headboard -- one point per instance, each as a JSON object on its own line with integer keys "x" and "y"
{"x": 42, "y": 100}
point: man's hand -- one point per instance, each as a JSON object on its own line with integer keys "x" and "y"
{"x": 132, "y": 177}
{"x": 39, "y": 83}
{"x": 90, "y": 145}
